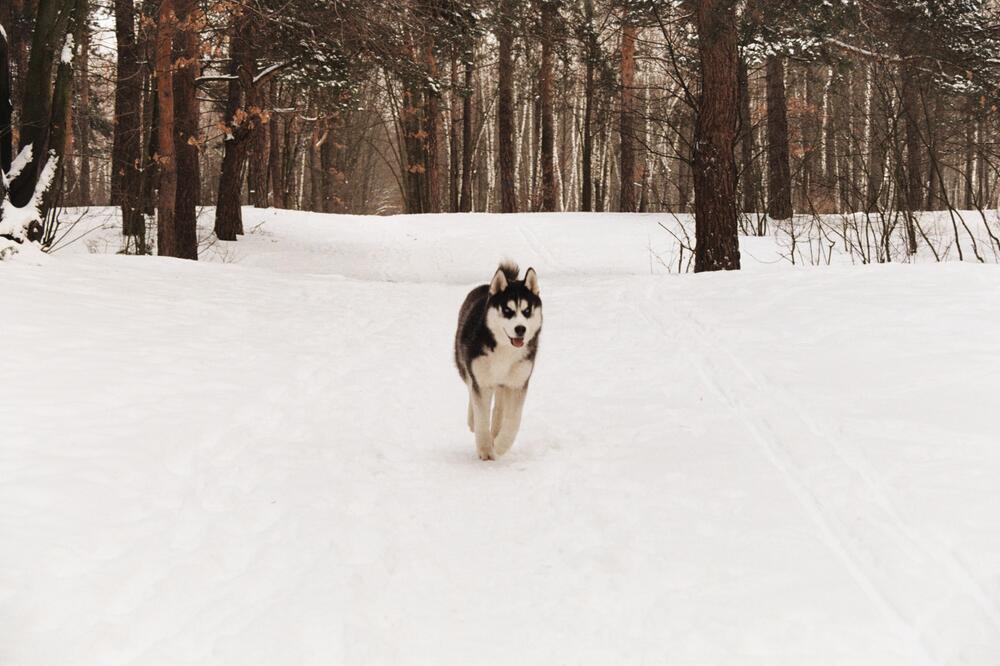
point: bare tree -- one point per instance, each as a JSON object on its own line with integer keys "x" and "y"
{"x": 779, "y": 178}
{"x": 166, "y": 231}
{"x": 186, "y": 135}
{"x": 550, "y": 191}
{"x": 715, "y": 134}
{"x": 628, "y": 202}
{"x": 238, "y": 122}
{"x": 505, "y": 107}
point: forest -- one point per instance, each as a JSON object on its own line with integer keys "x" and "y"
{"x": 744, "y": 112}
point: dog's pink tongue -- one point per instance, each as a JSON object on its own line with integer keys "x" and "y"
{"x": 517, "y": 342}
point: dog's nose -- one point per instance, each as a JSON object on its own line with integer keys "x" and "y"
{"x": 519, "y": 330}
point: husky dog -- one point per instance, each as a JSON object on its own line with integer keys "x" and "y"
{"x": 495, "y": 347}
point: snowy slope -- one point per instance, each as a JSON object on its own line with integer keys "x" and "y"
{"x": 265, "y": 461}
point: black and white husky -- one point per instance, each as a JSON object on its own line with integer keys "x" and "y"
{"x": 495, "y": 347}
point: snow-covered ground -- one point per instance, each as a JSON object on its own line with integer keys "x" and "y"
{"x": 264, "y": 460}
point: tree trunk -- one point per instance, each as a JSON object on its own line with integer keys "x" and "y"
{"x": 587, "y": 184}
{"x": 19, "y": 32}
{"x": 856, "y": 141}
{"x": 536, "y": 145}
{"x": 326, "y": 162}
{"x": 715, "y": 134}
{"x": 66, "y": 182}
{"x": 601, "y": 186}
{"x": 274, "y": 163}
{"x": 151, "y": 130}
{"x": 6, "y": 115}
{"x": 628, "y": 200}
{"x": 914, "y": 170}
{"x": 83, "y": 113}
{"x": 166, "y": 243}
{"x": 812, "y": 139}
{"x": 258, "y": 146}
{"x": 228, "y": 211}
{"x": 936, "y": 198}
{"x": 188, "y": 177}
{"x": 6, "y": 112}
{"x": 877, "y": 143}
{"x": 60, "y": 123}
{"x": 413, "y": 155}
{"x": 291, "y": 145}
{"x": 829, "y": 201}
{"x": 841, "y": 120}
{"x": 465, "y": 205}
{"x": 968, "y": 200}
{"x": 505, "y": 109}
{"x": 779, "y": 178}
{"x": 274, "y": 160}
{"x": 432, "y": 120}
{"x": 418, "y": 122}
{"x": 550, "y": 192}
{"x": 125, "y": 151}
{"x": 148, "y": 167}
{"x": 454, "y": 142}
{"x": 685, "y": 158}
{"x": 982, "y": 185}
{"x": 749, "y": 176}
{"x": 316, "y": 182}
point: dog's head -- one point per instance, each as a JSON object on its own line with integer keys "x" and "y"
{"x": 515, "y": 308}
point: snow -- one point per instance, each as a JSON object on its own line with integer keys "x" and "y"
{"x": 14, "y": 221}
{"x": 263, "y": 458}
{"x": 22, "y": 160}
{"x": 66, "y": 57}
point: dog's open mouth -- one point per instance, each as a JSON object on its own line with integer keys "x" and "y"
{"x": 517, "y": 342}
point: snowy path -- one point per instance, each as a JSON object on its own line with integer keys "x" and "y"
{"x": 267, "y": 463}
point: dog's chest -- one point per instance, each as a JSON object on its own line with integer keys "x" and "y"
{"x": 504, "y": 366}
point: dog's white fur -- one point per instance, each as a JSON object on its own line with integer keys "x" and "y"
{"x": 502, "y": 374}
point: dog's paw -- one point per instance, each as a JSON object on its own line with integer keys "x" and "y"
{"x": 502, "y": 444}
{"x": 486, "y": 453}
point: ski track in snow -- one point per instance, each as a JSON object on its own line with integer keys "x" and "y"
{"x": 268, "y": 463}
{"x": 904, "y": 576}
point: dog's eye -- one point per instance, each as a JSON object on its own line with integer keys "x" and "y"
{"x": 527, "y": 312}
{"x": 507, "y": 312}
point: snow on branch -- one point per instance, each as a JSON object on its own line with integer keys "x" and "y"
{"x": 216, "y": 77}
{"x": 67, "y": 51}
{"x": 268, "y": 71}
{"x": 263, "y": 74}
{"x": 17, "y": 166}
{"x": 865, "y": 53}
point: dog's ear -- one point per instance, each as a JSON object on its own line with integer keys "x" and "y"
{"x": 499, "y": 282}
{"x": 531, "y": 281}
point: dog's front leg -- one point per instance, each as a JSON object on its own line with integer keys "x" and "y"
{"x": 498, "y": 401}
{"x": 480, "y": 401}
{"x": 513, "y": 403}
